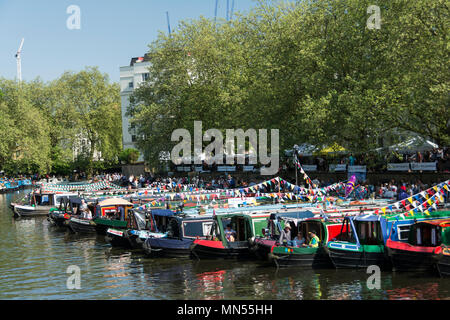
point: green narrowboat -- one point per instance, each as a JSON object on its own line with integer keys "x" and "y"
{"x": 111, "y": 213}
{"x": 307, "y": 255}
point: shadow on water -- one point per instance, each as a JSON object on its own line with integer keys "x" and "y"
{"x": 35, "y": 257}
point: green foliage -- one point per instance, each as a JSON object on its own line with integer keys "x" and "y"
{"x": 311, "y": 69}
{"x": 129, "y": 156}
{"x": 42, "y": 123}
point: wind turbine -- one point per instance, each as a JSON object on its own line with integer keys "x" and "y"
{"x": 19, "y": 64}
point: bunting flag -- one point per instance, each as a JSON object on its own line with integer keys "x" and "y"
{"x": 429, "y": 201}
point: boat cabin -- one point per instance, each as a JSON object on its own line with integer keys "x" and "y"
{"x": 430, "y": 233}
{"x": 364, "y": 230}
{"x": 158, "y": 219}
{"x": 189, "y": 227}
{"x": 235, "y": 229}
{"x": 277, "y": 222}
{"x": 48, "y": 199}
{"x": 113, "y": 209}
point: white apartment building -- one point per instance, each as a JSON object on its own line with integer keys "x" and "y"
{"x": 130, "y": 78}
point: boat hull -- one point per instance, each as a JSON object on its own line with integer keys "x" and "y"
{"x": 29, "y": 211}
{"x": 205, "y": 249}
{"x": 343, "y": 259}
{"x": 177, "y": 248}
{"x": 262, "y": 248}
{"x": 315, "y": 260}
{"x": 102, "y": 225}
{"x": 443, "y": 266}
{"x": 118, "y": 238}
{"x": 82, "y": 226}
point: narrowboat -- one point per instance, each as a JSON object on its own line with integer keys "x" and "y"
{"x": 60, "y": 216}
{"x": 141, "y": 224}
{"x": 324, "y": 227}
{"x": 80, "y": 224}
{"x": 423, "y": 250}
{"x": 270, "y": 235}
{"x": 245, "y": 228}
{"x": 39, "y": 204}
{"x": 181, "y": 233}
{"x": 363, "y": 242}
{"x": 443, "y": 265}
{"x": 111, "y": 213}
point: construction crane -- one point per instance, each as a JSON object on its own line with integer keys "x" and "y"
{"x": 19, "y": 64}
{"x": 168, "y": 22}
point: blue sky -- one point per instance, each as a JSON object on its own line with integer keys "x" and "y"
{"x": 111, "y": 32}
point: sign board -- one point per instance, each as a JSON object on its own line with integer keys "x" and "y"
{"x": 248, "y": 168}
{"x": 357, "y": 169}
{"x": 198, "y": 169}
{"x": 236, "y": 202}
{"x": 308, "y": 167}
{"x": 337, "y": 167}
{"x": 425, "y": 166}
{"x": 398, "y": 166}
{"x": 226, "y": 168}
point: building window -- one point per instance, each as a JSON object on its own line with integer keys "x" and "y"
{"x": 145, "y": 76}
{"x": 133, "y": 138}
{"x": 130, "y": 85}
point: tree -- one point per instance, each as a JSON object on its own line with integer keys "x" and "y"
{"x": 95, "y": 114}
{"x": 129, "y": 156}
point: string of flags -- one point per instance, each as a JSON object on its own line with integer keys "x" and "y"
{"x": 305, "y": 176}
{"x": 297, "y": 193}
{"x": 423, "y": 202}
{"x": 88, "y": 187}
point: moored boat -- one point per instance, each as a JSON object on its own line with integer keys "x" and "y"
{"x": 181, "y": 233}
{"x": 39, "y": 204}
{"x": 363, "y": 244}
{"x": 423, "y": 250}
{"x": 307, "y": 255}
{"x": 246, "y": 227}
{"x": 443, "y": 265}
{"x": 111, "y": 213}
{"x": 138, "y": 225}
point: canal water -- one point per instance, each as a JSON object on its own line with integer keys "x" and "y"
{"x": 35, "y": 257}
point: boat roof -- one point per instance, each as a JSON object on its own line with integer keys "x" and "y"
{"x": 162, "y": 212}
{"x": 367, "y": 217}
{"x": 115, "y": 202}
{"x": 444, "y": 223}
{"x": 295, "y": 215}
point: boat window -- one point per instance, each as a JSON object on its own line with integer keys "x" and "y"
{"x": 346, "y": 232}
{"x": 161, "y": 223}
{"x": 273, "y": 229}
{"x": 403, "y": 232}
{"x": 242, "y": 231}
{"x": 310, "y": 226}
{"x": 194, "y": 229}
{"x": 207, "y": 226}
{"x": 426, "y": 236}
{"x": 215, "y": 232}
{"x": 369, "y": 232}
{"x": 172, "y": 229}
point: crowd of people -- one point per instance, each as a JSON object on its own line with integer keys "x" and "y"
{"x": 377, "y": 162}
